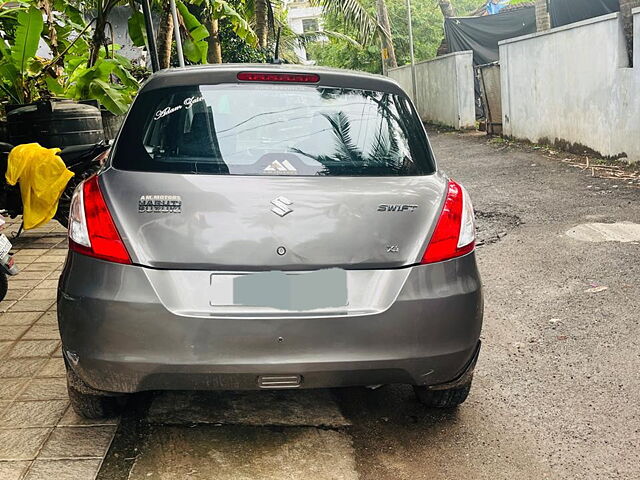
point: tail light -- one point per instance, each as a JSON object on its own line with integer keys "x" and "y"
{"x": 91, "y": 228}
{"x": 455, "y": 233}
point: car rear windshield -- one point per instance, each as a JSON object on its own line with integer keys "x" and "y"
{"x": 266, "y": 129}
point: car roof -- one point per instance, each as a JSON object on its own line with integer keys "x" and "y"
{"x": 227, "y": 73}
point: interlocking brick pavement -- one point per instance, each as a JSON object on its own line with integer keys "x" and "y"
{"x": 40, "y": 435}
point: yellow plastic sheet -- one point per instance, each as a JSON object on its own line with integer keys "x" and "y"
{"x": 42, "y": 176}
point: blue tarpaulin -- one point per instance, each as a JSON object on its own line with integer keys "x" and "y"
{"x": 494, "y": 6}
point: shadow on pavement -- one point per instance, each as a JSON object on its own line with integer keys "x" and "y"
{"x": 261, "y": 434}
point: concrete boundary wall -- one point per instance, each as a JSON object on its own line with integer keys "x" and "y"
{"x": 573, "y": 86}
{"x": 444, "y": 89}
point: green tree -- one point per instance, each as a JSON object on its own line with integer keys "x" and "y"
{"x": 266, "y": 17}
{"x": 200, "y": 21}
{"x": 254, "y": 23}
{"x": 427, "y": 27}
{"x": 71, "y": 72}
{"x": 235, "y": 49}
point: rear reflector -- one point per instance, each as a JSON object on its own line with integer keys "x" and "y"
{"x": 91, "y": 228}
{"x": 454, "y": 235}
{"x": 278, "y": 77}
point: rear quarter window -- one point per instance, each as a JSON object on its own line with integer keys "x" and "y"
{"x": 267, "y": 129}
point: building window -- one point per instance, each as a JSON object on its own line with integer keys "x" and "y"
{"x": 310, "y": 25}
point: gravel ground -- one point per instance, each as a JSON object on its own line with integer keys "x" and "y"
{"x": 556, "y": 390}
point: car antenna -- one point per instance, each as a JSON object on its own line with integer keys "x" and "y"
{"x": 276, "y": 51}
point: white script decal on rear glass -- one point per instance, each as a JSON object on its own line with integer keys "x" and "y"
{"x": 187, "y": 104}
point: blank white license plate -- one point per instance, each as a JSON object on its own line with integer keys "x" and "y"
{"x": 5, "y": 245}
{"x": 284, "y": 291}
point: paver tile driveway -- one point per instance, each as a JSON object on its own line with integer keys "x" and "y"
{"x": 40, "y": 436}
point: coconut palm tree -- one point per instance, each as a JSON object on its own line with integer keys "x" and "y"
{"x": 356, "y": 16}
{"x": 254, "y": 21}
{"x": 353, "y": 13}
{"x": 261, "y": 9}
{"x": 446, "y": 8}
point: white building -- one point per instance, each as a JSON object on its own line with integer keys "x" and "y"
{"x": 303, "y": 18}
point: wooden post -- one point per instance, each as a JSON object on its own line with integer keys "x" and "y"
{"x": 388, "y": 53}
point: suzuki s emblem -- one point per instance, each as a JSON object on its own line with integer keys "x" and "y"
{"x": 280, "y": 206}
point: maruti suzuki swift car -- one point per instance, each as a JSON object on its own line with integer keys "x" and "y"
{"x": 269, "y": 227}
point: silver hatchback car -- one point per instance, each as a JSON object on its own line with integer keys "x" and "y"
{"x": 269, "y": 227}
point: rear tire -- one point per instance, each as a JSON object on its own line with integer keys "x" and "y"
{"x": 90, "y": 403}
{"x": 4, "y": 285}
{"x": 449, "y": 398}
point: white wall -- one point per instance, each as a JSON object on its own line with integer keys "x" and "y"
{"x": 573, "y": 84}
{"x": 402, "y": 75}
{"x": 295, "y": 16}
{"x": 444, "y": 89}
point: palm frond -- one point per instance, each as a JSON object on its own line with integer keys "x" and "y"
{"x": 355, "y": 15}
{"x": 322, "y": 35}
{"x": 347, "y": 158}
{"x": 347, "y": 149}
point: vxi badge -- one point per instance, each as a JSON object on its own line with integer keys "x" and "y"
{"x": 160, "y": 204}
{"x": 396, "y": 208}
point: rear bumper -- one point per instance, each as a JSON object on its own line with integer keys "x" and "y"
{"x": 120, "y": 337}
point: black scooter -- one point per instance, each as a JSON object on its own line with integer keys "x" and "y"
{"x": 7, "y": 263}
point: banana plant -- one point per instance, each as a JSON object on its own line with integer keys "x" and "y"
{"x": 195, "y": 44}
{"x": 108, "y": 80}
{"x": 101, "y": 10}
{"x": 220, "y": 9}
{"x": 18, "y": 65}
{"x": 213, "y": 12}
{"x": 63, "y": 22}
{"x": 9, "y": 12}
{"x": 201, "y": 43}
{"x": 135, "y": 26}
